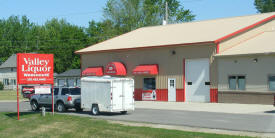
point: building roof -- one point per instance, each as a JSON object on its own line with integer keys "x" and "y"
{"x": 10, "y": 62}
{"x": 177, "y": 34}
{"x": 70, "y": 73}
{"x": 262, "y": 44}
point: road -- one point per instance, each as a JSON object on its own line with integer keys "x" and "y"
{"x": 238, "y": 122}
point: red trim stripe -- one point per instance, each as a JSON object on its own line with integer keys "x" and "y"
{"x": 218, "y": 48}
{"x": 245, "y": 29}
{"x": 183, "y": 77}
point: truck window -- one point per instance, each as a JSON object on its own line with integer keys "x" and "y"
{"x": 75, "y": 91}
{"x": 64, "y": 91}
{"x": 55, "y": 90}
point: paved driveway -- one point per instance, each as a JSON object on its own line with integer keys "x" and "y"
{"x": 239, "y": 122}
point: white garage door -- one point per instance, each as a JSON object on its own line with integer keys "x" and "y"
{"x": 197, "y": 80}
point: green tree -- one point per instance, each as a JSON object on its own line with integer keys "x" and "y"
{"x": 62, "y": 39}
{"x": 15, "y": 33}
{"x": 264, "y": 6}
{"x": 100, "y": 31}
{"x": 127, "y": 15}
{"x": 55, "y": 36}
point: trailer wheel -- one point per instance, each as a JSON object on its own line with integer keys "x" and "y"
{"x": 95, "y": 110}
{"x": 123, "y": 112}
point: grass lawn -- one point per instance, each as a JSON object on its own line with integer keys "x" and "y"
{"x": 9, "y": 95}
{"x": 66, "y": 126}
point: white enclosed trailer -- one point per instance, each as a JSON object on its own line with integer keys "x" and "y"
{"x": 107, "y": 94}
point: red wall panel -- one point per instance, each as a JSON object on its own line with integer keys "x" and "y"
{"x": 180, "y": 95}
{"x": 213, "y": 95}
{"x": 162, "y": 94}
{"x": 138, "y": 94}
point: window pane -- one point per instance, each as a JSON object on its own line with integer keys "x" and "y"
{"x": 64, "y": 91}
{"x": 271, "y": 83}
{"x": 61, "y": 83}
{"x": 77, "y": 82}
{"x": 55, "y": 90}
{"x": 70, "y": 82}
{"x": 149, "y": 84}
{"x": 74, "y": 91}
{"x": 232, "y": 82}
{"x": 241, "y": 82}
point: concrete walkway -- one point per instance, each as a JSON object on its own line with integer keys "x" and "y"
{"x": 208, "y": 107}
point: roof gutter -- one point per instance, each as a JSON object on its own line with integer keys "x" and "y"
{"x": 249, "y": 54}
{"x": 217, "y": 42}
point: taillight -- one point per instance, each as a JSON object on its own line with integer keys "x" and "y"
{"x": 69, "y": 98}
{"x": 111, "y": 96}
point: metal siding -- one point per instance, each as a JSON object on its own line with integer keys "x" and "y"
{"x": 170, "y": 66}
{"x": 256, "y": 73}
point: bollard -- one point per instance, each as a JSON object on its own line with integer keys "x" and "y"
{"x": 43, "y": 111}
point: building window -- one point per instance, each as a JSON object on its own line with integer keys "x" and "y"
{"x": 61, "y": 82}
{"x": 271, "y": 83}
{"x": 236, "y": 82}
{"x": 13, "y": 81}
{"x": 6, "y": 81}
{"x": 78, "y": 82}
{"x": 149, "y": 84}
{"x": 70, "y": 82}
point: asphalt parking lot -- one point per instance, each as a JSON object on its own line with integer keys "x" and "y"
{"x": 262, "y": 123}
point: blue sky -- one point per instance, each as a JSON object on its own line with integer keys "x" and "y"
{"x": 80, "y": 12}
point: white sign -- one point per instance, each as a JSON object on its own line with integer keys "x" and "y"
{"x": 42, "y": 89}
{"x": 149, "y": 96}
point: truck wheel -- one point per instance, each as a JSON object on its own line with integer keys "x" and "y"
{"x": 60, "y": 107}
{"x": 123, "y": 112}
{"x": 34, "y": 106}
{"x": 95, "y": 110}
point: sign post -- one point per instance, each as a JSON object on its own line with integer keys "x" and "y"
{"x": 34, "y": 69}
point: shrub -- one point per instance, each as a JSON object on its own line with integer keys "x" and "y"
{"x": 1, "y": 86}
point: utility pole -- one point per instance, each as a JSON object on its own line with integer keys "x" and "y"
{"x": 165, "y": 19}
{"x": 166, "y": 12}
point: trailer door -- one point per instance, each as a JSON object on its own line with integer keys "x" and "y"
{"x": 128, "y": 100}
{"x": 117, "y": 95}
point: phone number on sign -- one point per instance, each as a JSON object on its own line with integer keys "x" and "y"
{"x": 36, "y": 79}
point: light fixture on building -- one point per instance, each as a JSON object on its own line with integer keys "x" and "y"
{"x": 255, "y": 60}
{"x": 235, "y": 61}
{"x": 173, "y": 52}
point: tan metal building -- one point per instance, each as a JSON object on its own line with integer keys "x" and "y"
{"x": 247, "y": 70}
{"x": 174, "y": 62}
